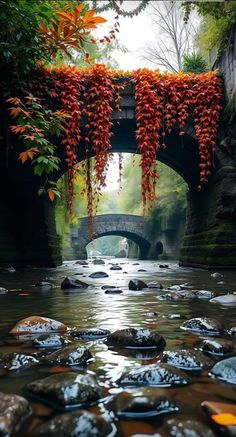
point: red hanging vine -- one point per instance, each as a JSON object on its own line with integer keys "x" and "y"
{"x": 69, "y": 87}
{"x": 163, "y": 101}
{"x": 208, "y": 95}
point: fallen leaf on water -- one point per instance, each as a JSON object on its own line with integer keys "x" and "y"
{"x": 226, "y": 419}
{"x": 59, "y": 369}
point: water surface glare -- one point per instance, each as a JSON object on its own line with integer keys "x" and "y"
{"x": 93, "y": 308}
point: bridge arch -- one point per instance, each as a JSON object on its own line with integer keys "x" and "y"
{"x": 132, "y": 227}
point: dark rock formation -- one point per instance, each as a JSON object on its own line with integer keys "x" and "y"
{"x": 187, "y": 359}
{"x": 14, "y": 411}
{"x": 136, "y": 338}
{"x": 203, "y": 325}
{"x": 70, "y": 282}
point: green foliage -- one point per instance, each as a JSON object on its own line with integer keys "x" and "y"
{"x": 219, "y": 18}
{"x": 20, "y": 44}
{"x": 194, "y": 63}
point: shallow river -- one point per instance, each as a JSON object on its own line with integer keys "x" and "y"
{"x": 93, "y": 308}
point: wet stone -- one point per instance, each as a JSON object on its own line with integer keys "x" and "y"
{"x": 106, "y": 287}
{"x": 38, "y": 324}
{"x": 90, "y": 333}
{"x": 187, "y": 359}
{"x": 14, "y": 412}
{"x": 115, "y": 267}
{"x": 226, "y": 370}
{"x": 175, "y": 287}
{"x": 99, "y": 275}
{"x": 204, "y": 294}
{"x": 3, "y": 290}
{"x": 98, "y": 262}
{"x": 82, "y": 262}
{"x": 70, "y": 282}
{"x": 15, "y": 361}
{"x": 53, "y": 340}
{"x": 155, "y": 285}
{"x": 137, "y": 284}
{"x": 218, "y": 347}
{"x": 226, "y": 299}
{"x": 203, "y": 325}
{"x": 76, "y": 424}
{"x": 43, "y": 284}
{"x": 157, "y": 375}
{"x": 136, "y": 338}
{"x": 216, "y": 275}
{"x": 142, "y": 270}
{"x": 141, "y": 403}
{"x": 113, "y": 291}
{"x": 70, "y": 356}
{"x": 232, "y": 331}
{"x": 188, "y": 428}
{"x": 66, "y": 389}
{"x": 163, "y": 266}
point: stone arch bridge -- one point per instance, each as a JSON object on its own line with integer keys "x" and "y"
{"x": 132, "y": 227}
{"x": 28, "y": 233}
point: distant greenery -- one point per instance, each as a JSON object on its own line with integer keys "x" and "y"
{"x": 219, "y": 19}
{"x": 194, "y": 63}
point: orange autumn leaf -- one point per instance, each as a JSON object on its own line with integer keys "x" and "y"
{"x": 225, "y": 419}
{"x": 51, "y": 195}
{"x": 28, "y": 154}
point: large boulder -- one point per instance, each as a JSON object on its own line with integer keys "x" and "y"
{"x": 157, "y": 375}
{"x": 141, "y": 403}
{"x": 14, "y": 411}
{"x": 136, "y": 337}
{"x": 203, "y": 325}
{"x": 187, "y": 359}
{"x": 70, "y": 356}
{"x": 66, "y": 390}
{"x": 37, "y": 324}
{"x": 70, "y": 282}
{"x": 137, "y": 284}
{"x": 226, "y": 370}
{"x": 15, "y": 361}
{"x": 76, "y": 424}
{"x": 98, "y": 262}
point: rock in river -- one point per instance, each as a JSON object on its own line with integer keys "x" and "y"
{"x": 75, "y": 424}
{"x": 187, "y": 359}
{"x": 44, "y": 284}
{"x": 98, "y": 262}
{"x": 99, "y": 275}
{"x": 14, "y": 411}
{"x": 137, "y": 284}
{"x": 136, "y": 338}
{"x": 53, "y": 340}
{"x": 141, "y": 403}
{"x": 15, "y": 361}
{"x": 187, "y": 428}
{"x": 37, "y": 324}
{"x": 70, "y": 356}
{"x": 203, "y": 325}
{"x": 226, "y": 299}
{"x": 113, "y": 291}
{"x": 157, "y": 375}
{"x": 226, "y": 370}
{"x": 115, "y": 267}
{"x": 232, "y": 331}
{"x": 70, "y": 282}
{"x": 66, "y": 389}
{"x": 218, "y": 347}
{"x": 90, "y": 333}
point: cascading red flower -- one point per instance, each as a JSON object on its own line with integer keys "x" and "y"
{"x": 163, "y": 101}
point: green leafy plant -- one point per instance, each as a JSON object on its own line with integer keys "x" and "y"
{"x": 194, "y": 63}
{"x": 36, "y": 124}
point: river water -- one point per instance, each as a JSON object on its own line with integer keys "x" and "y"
{"x": 93, "y": 308}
